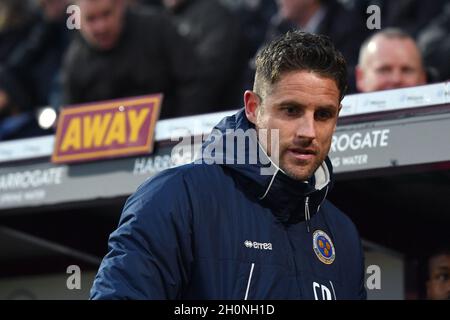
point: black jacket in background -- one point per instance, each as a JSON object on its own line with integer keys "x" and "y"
{"x": 29, "y": 75}
{"x": 217, "y": 38}
{"x": 150, "y": 57}
{"x": 434, "y": 41}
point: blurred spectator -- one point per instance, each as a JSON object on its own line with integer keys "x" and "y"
{"x": 16, "y": 20}
{"x": 34, "y": 65}
{"x": 434, "y": 40}
{"x": 122, "y": 52}
{"x": 389, "y": 59}
{"x": 216, "y": 37}
{"x": 345, "y": 27}
{"x": 254, "y": 17}
{"x": 15, "y": 121}
{"x": 28, "y": 75}
{"x": 438, "y": 283}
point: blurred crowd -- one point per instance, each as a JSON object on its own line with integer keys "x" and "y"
{"x": 198, "y": 53}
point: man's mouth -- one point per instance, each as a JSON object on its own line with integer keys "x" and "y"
{"x": 302, "y": 154}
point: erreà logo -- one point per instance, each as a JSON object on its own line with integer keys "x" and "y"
{"x": 257, "y": 245}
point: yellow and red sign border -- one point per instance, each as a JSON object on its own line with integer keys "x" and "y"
{"x": 155, "y": 99}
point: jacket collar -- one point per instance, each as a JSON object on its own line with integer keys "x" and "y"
{"x": 290, "y": 200}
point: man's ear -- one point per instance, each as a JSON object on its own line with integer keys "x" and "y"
{"x": 251, "y": 101}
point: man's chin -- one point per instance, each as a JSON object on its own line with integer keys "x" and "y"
{"x": 103, "y": 44}
{"x": 297, "y": 173}
{"x": 300, "y": 170}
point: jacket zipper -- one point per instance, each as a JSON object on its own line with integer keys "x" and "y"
{"x": 249, "y": 282}
{"x": 307, "y": 216}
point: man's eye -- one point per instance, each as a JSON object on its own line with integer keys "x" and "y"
{"x": 323, "y": 115}
{"x": 443, "y": 277}
{"x": 290, "y": 111}
{"x": 408, "y": 70}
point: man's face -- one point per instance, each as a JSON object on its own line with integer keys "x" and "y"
{"x": 389, "y": 64}
{"x": 101, "y": 22}
{"x": 438, "y": 287}
{"x": 4, "y": 104}
{"x": 53, "y": 10}
{"x": 172, "y": 4}
{"x": 304, "y": 107}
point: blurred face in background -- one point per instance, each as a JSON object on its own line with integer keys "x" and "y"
{"x": 438, "y": 285}
{"x": 102, "y": 22}
{"x": 390, "y": 63}
{"x": 172, "y": 4}
{"x": 293, "y": 9}
{"x": 4, "y": 103}
{"x": 54, "y": 10}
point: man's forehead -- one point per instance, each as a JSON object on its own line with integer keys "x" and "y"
{"x": 304, "y": 82}
{"x": 398, "y": 50}
{"x": 380, "y": 46}
{"x": 440, "y": 261}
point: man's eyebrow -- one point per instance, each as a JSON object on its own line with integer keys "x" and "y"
{"x": 329, "y": 107}
{"x": 292, "y": 103}
{"x": 443, "y": 268}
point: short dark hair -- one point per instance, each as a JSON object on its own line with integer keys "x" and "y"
{"x": 300, "y": 51}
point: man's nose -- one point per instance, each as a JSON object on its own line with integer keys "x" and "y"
{"x": 306, "y": 126}
{"x": 396, "y": 78}
{"x": 99, "y": 25}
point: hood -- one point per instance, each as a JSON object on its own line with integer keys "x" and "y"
{"x": 233, "y": 144}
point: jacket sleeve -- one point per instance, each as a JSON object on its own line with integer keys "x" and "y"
{"x": 150, "y": 252}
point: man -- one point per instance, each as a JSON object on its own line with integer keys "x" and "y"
{"x": 438, "y": 284}
{"x": 387, "y": 60}
{"x": 124, "y": 52}
{"x": 17, "y": 122}
{"x": 16, "y": 22}
{"x": 231, "y": 226}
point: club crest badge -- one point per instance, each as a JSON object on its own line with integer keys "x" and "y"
{"x": 323, "y": 247}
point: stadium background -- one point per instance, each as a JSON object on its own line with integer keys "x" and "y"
{"x": 398, "y": 199}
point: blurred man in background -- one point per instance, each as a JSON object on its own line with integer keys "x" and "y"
{"x": 16, "y": 121}
{"x": 438, "y": 284}
{"x": 123, "y": 52}
{"x": 16, "y": 21}
{"x": 387, "y": 60}
{"x": 29, "y": 74}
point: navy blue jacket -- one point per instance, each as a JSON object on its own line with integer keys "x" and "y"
{"x": 225, "y": 231}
